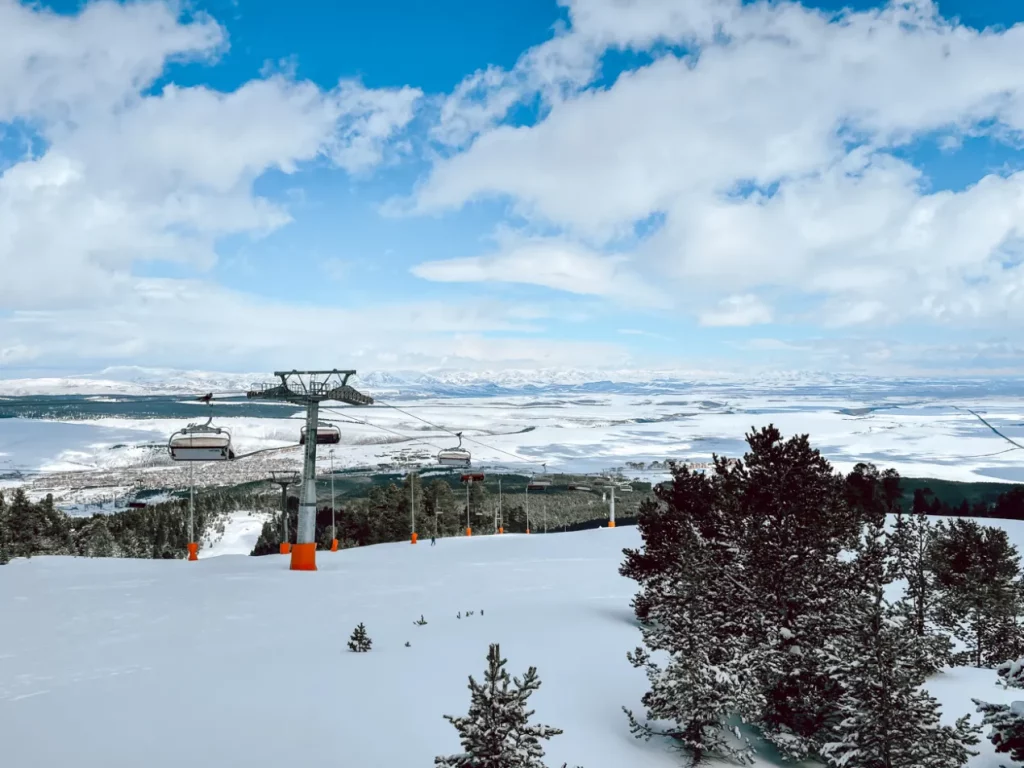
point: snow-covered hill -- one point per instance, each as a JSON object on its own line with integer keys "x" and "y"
{"x": 238, "y": 661}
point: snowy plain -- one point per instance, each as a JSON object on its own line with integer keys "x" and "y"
{"x": 921, "y": 434}
{"x": 236, "y": 660}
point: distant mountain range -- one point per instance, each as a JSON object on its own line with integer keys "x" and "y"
{"x": 130, "y": 380}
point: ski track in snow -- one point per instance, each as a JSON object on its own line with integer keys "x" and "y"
{"x": 119, "y": 655}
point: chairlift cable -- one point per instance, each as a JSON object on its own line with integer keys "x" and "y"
{"x": 451, "y": 432}
{"x": 377, "y": 426}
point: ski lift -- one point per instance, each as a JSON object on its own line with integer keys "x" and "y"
{"x": 578, "y": 487}
{"x": 454, "y": 457}
{"x": 625, "y": 486}
{"x": 473, "y": 477}
{"x": 326, "y": 434}
{"x": 201, "y": 442}
{"x": 539, "y": 484}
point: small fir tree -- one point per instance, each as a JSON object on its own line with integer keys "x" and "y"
{"x": 497, "y": 733}
{"x": 360, "y": 641}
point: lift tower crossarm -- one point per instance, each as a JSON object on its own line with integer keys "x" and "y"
{"x": 309, "y": 388}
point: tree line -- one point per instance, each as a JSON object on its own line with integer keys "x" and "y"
{"x": 158, "y": 531}
{"x": 385, "y": 513}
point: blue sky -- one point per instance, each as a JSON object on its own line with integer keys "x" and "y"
{"x": 212, "y": 198}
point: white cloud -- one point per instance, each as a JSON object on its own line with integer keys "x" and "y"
{"x": 548, "y": 262}
{"x": 774, "y": 100}
{"x": 738, "y": 311}
{"x": 63, "y": 68}
{"x": 129, "y": 176}
{"x": 871, "y": 356}
{"x": 162, "y": 322}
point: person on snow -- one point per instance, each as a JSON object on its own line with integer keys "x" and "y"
{"x": 433, "y": 541}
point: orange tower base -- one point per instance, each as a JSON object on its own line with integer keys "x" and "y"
{"x": 285, "y": 547}
{"x": 501, "y": 530}
{"x": 193, "y": 551}
{"x": 334, "y": 545}
{"x": 611, "y": 523}
{"x": 415, "y": 538}
{"x": 469, "y": 531}
{"x": 527, "y": 530}
{"x": 303, "y": 557}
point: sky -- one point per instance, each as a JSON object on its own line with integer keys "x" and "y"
{"x": 241, "y": 185}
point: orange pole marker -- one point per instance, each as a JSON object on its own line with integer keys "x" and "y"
{"x": 334, "y": 545}
{"x": 469, "y": 531}
{"x": 285, "y": 547}
{"x": 304, "y": 557}
{"x": 501, "y": 530}
{"x": 611, "y": 523}
{"x": 415, "y": 537}
{"x": 527, "y": 530}
{"x": 193, "y": 550}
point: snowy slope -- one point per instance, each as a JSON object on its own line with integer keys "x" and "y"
{"x": 241, "y": 531}
{"x": 237, "y": 661}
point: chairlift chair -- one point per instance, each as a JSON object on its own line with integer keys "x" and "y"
{"x": 201, "y": 442}
{"x": 539, "y": 484}
{"x": 326, "y": 434}
{"x": 454, "y": 457}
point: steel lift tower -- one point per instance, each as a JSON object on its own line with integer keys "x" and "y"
{"x": 284, "y": 479}
{"x": 309, "y": 389}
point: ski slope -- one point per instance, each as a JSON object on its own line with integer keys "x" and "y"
{"x": 237, "y": 661}
{"x": 241, "y": 532}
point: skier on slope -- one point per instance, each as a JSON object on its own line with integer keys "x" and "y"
{"x": 433, "y": 540}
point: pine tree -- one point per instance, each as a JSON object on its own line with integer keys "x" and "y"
{"x": 911, "y": 543}
{"x": 884, "y": 719}
{"x": 977, "y": 569}
{"x": 5, "y": 532}
{"x": 96, "y": 539}
{"x": 662, "y": 523}
{"x": 708, "y": 677}
{"x": 796, "y": 520}
{"x": 1006, "y": 721}
{"x": 359, "y": 642}
{"x": 497, "y": 733}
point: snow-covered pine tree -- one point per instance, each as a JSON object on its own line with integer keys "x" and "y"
{"x": 1006, "y": 721}
{"x": 709, "y": 674}
{"x": 359, "y": 642}
{"x": 661, "y": 522}
{"x": 884, "y": 720}
{"x": 5, "y": 532}
{"x": 497, "y": 732}
{"x": 796, "y": 520}
{"x": 911, "y": 545}
{"x": 977, "y": 569}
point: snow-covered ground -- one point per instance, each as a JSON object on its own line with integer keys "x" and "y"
{"x": 238, "y": 661}
{"x": 241, "y": 530}
{"x": 582, "y": 433}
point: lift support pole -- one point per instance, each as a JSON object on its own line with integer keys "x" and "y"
{"x": 309, "y": 389}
